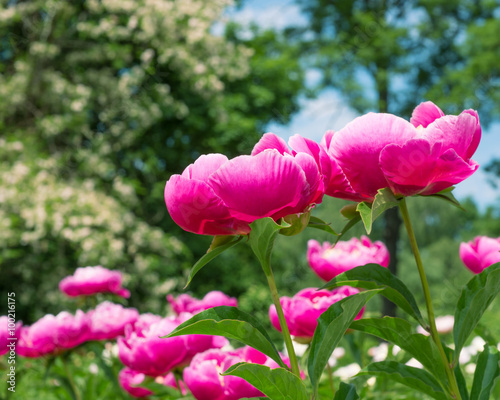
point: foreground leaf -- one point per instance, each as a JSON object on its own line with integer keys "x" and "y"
{"x": 346, "y": 392}
{"x": 218, "y": 246}
{"x": 374, "y": 276}
{"x": 400, "y": 332}
{"x": 384, "y": 200}
{"x": 462, "y": 384}
{"x": 332, "y": 325}
{"x": 233, "y": 324}
{"x": 276, "y": 384}
{"x": 317, "y": 223}
{"x": 487, "y": 372}
{"x": 414, "y": 378}
{"x": 475, "y": 298}
{"x": 261, "y": 239}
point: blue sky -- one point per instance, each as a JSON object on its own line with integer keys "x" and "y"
{"x": 330, "y": 111}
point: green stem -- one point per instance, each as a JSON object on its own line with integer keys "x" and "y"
{"x": 70, "y": 377}
{"x": 428, "y": 301}
{"x": 284, "y": 327}
{"x": 330, "y": 378}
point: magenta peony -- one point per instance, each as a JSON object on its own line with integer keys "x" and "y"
{"x": 131, "y": 380}
{"x": 302, "y": 310}
{"x": 6, "y": 328}
{"x": 428, "y": 155}
{"x": 186, "y": 303}
{"x": 480, "y": 253}
{"x": 146, "y": 352}
{"x": 108, "y": 320}
{"x": 328, "y": 262}
{"x": 203, "y": 378}
{"x": 53, "y": 334}
{"x": 91, "y": 280}
{"x": 217, "y": 196}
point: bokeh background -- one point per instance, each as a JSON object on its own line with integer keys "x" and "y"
{"x": 102, "y": 100}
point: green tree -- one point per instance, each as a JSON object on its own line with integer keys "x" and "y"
{"x": 100, "y": 102}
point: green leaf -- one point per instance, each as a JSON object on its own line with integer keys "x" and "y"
{"x": 384, "y": 199}
{"x": 317, "y": 223}
{"x": 276, "y": 384}
{"x": 414, "y": 378}
{"x": 218, "y": 246}
{"x": 332, "y": 325}
{"x": 487, "y": 372}
{"x": 400, "y": 333}
{"x": 347, "y": 227}
{"x": 374, "y": 276}
{"x": 349, "y": 211}
{"x": 233, "y": 324}
{"x": 475, "y": 298}
{"x": 447, "y": 196}
{"x": 261, "y": 239}
{"x": 365, "y": 211}
{"x": 346, "y": 392}
{"x": 462, "y": 384}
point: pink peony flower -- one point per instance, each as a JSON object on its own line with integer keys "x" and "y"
{"x": 91, "y": 280}
{"x": 53, "y": 334}
{"x": 5, "y": 329}
{"x": 130, "y": 381}
{"x": 428, "y": 155}
{"x": 145, "y": 321}
{"x": 217, "y": 196}
{"x": 186, "y": 303}
{"x": 108, "y": 320}
{"x": 303, "y": 310}
{"x": 203, "y": 378}
{"x": 328, "y": 262}
{"x": 146, "y": 352}
{"x": 480, "y": 253}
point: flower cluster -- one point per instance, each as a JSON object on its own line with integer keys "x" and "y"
{"x": 432, "y": 152}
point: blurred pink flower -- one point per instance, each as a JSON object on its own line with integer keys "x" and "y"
{"x": 480, "y": 253}
{"x": 328, "y": 262}
{"x": 130, "y": 381}
{"x": 146, "y": 352}
{"x": 53, "y": 334}
{"x": 428, "y": 155}
{"x": 145, "y": 321}
{"x": 217, "y": 196}
{"x": 186, "y": 303}
{"x": 203, "y": 378}
{"x": 91, "y": 280}
{"x": 108, "y": 320}
{"x": 5, "y": 328}
{"x": 303, "y": 310}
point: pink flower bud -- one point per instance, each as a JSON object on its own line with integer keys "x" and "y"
{"x": 91, "y": 280}
{"x": 328, "y": 262}
{"x": 108, "y": 320}
{"x": 303, "y": 310}
{"x": 186, "y": 303}
{"x": 480, "y": 253}
{"x": 53, "y": 334}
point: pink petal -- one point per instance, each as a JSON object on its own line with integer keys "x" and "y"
{"x": 204, "y": 166}
{"x": 195, "y": 207}
{"x": 425, "y": 113}
{"x": 271, "y": 141}
{"x": 470, "y": 258}
{"x": 357, "y": 149}
{"x": 265, "y": 185}
{"x": 326, "y": 140}
{"x": 416, "y": 168}
{"x": 453, "y": 132}
{"x": 477, "y": 134}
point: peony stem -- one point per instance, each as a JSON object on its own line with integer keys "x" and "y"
{"x": 70, "y": 377}
{"x": 428, "y": 301}
{"x": 284, "y": 327}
